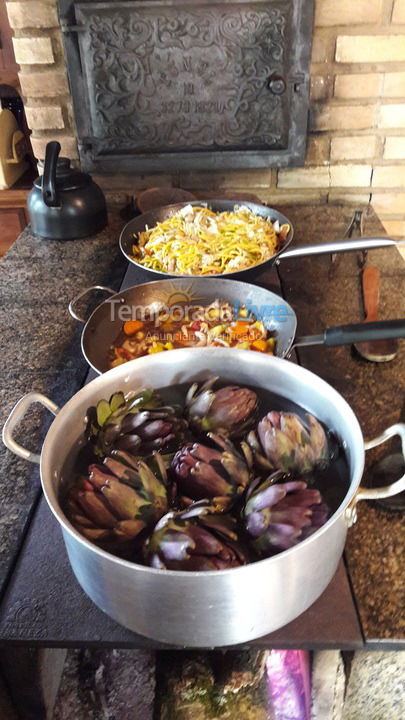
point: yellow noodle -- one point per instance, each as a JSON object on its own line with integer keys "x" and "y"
{"x": 197, "y": 241}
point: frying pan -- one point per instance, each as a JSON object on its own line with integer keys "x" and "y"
{"x": 149, "y": 219}
{"x": 105, "y": 323}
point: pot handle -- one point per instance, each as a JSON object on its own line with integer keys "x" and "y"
{"x": 14, "y": 418}
{"x": 355, "y": 332}
{"x": 83, "y": 294}
{"x": 348, "y": 245}
{"x": 386, "y": 490}
{"x": 49, "y": 195}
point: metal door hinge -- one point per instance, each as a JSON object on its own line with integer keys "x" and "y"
{"x": 67, "y": 28}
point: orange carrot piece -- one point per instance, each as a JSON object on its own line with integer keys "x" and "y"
{"x": 260, "y": 345}
{"x": 132, "y": 326}
{"x": 240, "y": 328}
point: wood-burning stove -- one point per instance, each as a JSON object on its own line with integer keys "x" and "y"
{"x": 166, "y": 85}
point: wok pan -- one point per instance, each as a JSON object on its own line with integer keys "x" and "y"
{"x": 149, "y": 219}
{"x": 105, "y": 323}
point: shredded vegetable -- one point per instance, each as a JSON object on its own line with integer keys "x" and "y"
{"x": 198, "y": 241}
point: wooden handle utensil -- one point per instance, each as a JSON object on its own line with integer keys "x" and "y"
{"x": 374, "y": 350}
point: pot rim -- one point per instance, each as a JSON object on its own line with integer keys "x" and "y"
{"x": 99, "y": 381}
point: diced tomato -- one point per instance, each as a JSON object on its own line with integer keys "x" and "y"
{"x": 123, "y": 353}
{"x": 196, "y": 325}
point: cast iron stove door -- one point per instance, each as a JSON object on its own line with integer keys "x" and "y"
{"x": 170, "y": 85}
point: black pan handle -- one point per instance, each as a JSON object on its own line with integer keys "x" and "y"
{"x": 49, "y": 195}
{"x": 355, "y": 333}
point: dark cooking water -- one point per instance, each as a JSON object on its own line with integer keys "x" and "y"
{"x": 333, "y": 482}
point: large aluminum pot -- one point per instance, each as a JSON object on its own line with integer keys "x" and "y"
{"x": 205, "y": 609}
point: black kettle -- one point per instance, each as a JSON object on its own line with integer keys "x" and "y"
{"x": 65, "y": 204}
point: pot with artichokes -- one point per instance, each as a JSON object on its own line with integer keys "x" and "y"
{"x": 218, "y": 597}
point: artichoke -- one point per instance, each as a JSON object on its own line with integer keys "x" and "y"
{"x": 195, "y": 539}
{"x": 203, "y": 472}
{"x": 278, "y": 516}
{"x": 139, "y": 424}
{"x": 118, "y": 499}
{"x": 283, "y": 442}
{"x": 229, "y": 411}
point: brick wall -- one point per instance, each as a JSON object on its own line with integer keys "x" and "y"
{"x": 356, "y": 145}
{"x": 39, "y": 52}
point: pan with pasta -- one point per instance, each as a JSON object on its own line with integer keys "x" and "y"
{"x": 198, "y": 241}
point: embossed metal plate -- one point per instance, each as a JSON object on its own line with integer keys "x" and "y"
{"x": 173, "y": 84}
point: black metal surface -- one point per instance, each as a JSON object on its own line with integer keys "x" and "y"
{"x": 149, "y": 219}
{"x": 45, "y": 606}
{"x": 169, "y": 84}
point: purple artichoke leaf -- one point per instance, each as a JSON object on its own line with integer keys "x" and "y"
{"x": 111, "y": 432}
{"x": 123, "y": 500}
{"x": 201, "y": 405}
{"x": 98, "y": 477}
{"x": 277, "y": 537}
{"x": 224, "y": 525}
{"x": 194, "y": 388}
{"x": 129, "y": 529}
{"x": 176, "y": 546}
{"x": 258, "y": 522}
{"x": 155, "y": 429}
{"x": 297, "y": 517}
{"x": 129, "y": 443}
{"x": 264, "y": 496}
{"x": 125, "y": 474}
{"x": 304, "y": 498}
{"x": 96, "y": 509}
{"x": 156, "y": 563}
{"x": 133, "y": 421}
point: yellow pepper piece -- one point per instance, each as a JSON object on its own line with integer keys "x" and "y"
{"x": 260, "y": 345}
{"x": 156, "y": 348}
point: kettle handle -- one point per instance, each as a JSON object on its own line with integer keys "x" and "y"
{"x": 49, "y": 177}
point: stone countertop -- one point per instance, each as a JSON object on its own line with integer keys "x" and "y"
{"x": 40, "y": 350}
{"x": 324, "y": 297}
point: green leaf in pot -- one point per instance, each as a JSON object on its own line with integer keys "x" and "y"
{"x": 139, "y": 424}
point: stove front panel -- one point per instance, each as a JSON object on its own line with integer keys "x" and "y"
{"x": 171, "y": 85}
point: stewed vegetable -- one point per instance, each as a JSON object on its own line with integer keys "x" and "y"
{"x": 218, "y": 324}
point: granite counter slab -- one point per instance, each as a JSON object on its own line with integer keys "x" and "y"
{"x": 40, "y": 346}
{"x": 324, "y": 296}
